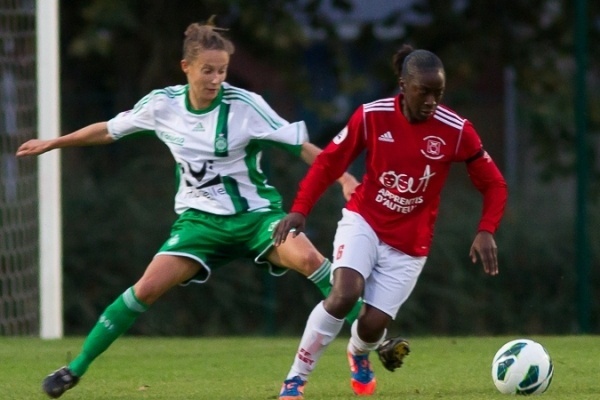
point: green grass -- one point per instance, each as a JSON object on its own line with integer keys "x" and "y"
{"x": 253, "y": 368}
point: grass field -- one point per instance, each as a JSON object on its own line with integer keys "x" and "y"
{"x": 253, "y": 368}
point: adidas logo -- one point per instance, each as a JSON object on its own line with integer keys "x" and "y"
{"x": 386, "y": 137}
{"x": 199, "y": 127}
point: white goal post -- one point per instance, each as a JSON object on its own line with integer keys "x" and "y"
{"x": 49, "y": 186}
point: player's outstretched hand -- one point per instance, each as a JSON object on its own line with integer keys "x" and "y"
{"x": 485, "y": 247}
{"x": 33, "y": 147}
{"x": 293, "y": 224}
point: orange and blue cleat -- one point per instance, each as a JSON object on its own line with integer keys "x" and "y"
{"x": 362, "y": 379}
{"x": 292, "y": 389}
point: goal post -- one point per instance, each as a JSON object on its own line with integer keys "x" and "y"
{"x": 30, "y": 209}
{"x": 48, "y": 126}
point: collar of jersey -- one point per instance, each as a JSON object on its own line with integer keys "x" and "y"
{"x": 212, "y": 106}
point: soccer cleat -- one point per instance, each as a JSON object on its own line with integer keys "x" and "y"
{"x": 392, "y": 352}
{"x": 362, "y": 378}
{"x": 292, "y": 389}
{"x": 59, "y": 382}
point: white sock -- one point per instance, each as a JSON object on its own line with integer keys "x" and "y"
{"x": 321, "y": 329}
{"x": 358, "y": 346}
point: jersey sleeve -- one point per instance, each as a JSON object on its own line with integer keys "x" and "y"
{"x": 470, "y": 143}
{"x": 139, "y": 119}
{"x": 488, "y": 180}
{"x": 266, "y": 125}
{"x": 485, "y": 176}
{"x": 331, "y": 163}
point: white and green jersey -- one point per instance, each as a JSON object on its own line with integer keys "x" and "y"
{"x": 218, "y": 149}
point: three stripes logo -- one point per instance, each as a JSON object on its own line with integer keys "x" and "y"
{"x": 386, "y": 137}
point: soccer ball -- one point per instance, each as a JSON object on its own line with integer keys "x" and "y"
{"x": 522, "y": 366}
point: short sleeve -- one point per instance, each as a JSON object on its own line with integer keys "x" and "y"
{"x": 140, "y": 118}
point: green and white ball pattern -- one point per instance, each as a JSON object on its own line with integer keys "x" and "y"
{"x": 523, "y": 367}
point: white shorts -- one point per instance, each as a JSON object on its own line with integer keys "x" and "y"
{"x": 390, "y": 275}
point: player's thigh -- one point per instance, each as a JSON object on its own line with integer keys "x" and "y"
{"x": 164, "y": 272}
{"x": 296, "y": 253}
{"x": 354, "y": 245}
{"x": 210, "y": 240}
{"x": 393, "y": 279}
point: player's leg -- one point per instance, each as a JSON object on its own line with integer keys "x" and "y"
{"x": 355, "y": 247}
{"x": 322, "y": 327}
{"x": 367, "y": 333}
{"x": 387, "y": 288}
{"x": 300, "y": 255}
{"x": 357, "y": 254}
{"x": 297, "y": 254}
{"x": 164, "y": 272}
{"x": 353, "y": 261}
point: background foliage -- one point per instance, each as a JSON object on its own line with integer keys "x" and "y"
{"x": 118, "y": 198}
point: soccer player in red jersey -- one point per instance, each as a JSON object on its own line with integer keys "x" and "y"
{"x": 384, "y": 236}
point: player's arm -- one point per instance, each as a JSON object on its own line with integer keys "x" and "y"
{"x": 330, "y": 163}
{"x": 328, "y": 166}
{"x": 488, "y": 180}
{"x": 348, "y": 181}
{"x": 94, "y": 134}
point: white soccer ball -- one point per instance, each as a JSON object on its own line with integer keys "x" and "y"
{"x": 522, "y": 366}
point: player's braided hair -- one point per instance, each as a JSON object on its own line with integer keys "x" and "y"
{"x": 407, "y": 61}
{"x": 206, "y": 36}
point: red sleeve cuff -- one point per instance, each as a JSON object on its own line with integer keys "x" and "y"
{"x": 301, "y": 209}
{"x": 487, "y": 226}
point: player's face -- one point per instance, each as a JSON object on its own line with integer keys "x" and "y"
{"x": 204, "y": 75}
{"x": 422, "y": 94}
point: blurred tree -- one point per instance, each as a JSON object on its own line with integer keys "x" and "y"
{"x": 303, "y": 61}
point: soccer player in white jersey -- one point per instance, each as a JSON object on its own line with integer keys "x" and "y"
{"x": 226, "y": 207}
{"x": 384, "y": 236}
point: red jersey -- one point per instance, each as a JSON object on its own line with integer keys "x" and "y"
{"x": 407, "y": 165}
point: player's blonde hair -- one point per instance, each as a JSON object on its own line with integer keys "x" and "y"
{"x": 207, "y": 36}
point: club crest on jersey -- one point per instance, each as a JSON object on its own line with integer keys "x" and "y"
{"x": 433, "y": 147}
{"x": 221, "y": 143}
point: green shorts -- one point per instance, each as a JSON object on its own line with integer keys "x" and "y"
{"x": 215, "y": 240}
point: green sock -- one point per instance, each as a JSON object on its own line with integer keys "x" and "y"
{"x": 113, "y": 322}
{"x": 321, "y": 279}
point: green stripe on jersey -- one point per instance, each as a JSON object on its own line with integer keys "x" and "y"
{"x": 231, "y": 186}
{"x": 258, "y": 178}
{"x": 170, "y": 92}
{"x": 221, "y": 141}
{"x": 230, "y": 94}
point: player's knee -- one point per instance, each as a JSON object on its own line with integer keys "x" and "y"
{"x": 370, "y": 334}
{"x": 372, "y": 324}
{"x": 339, "y": 303}
{"x": 310, "y": 261}
{"x": 146, "y": 292}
